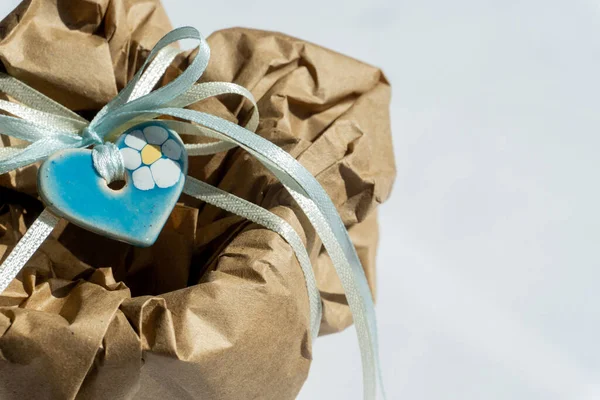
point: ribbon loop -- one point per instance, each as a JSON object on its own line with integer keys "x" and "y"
{"x": 108, "y": 162}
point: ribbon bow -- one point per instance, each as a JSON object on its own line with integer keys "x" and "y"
{"x": 50, "y": 128}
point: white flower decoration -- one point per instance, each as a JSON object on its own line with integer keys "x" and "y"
{"x": 153, "y": 156}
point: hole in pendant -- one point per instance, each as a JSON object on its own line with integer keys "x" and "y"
{"x": 117, "y": 185}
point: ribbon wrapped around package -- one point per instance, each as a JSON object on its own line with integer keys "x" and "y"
{"x": 217, "y": 308}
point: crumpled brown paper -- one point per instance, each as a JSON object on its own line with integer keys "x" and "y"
{"x": 217, "y": 308}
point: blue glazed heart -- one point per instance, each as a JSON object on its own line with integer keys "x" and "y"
{"x": 156, "y": 166}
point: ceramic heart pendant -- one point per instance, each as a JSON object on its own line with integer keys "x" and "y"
{"x": 156, "y": 165}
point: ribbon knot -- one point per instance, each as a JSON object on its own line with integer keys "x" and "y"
{"x": 90, "y": 136}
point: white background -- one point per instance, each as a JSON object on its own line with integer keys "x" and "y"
{"x": 488, "y": 264}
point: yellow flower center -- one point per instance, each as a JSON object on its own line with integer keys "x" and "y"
{"x": 150, "y": 153}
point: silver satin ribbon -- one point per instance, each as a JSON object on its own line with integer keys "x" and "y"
{"x": 27, "y": 246}
{"x": 50, "y": 127}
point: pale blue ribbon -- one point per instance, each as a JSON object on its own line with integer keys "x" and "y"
{"x": 47, "y": 139}
{"x": 51, "y": 128}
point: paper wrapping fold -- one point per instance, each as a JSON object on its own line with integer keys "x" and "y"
{"x": 217, "y": 308}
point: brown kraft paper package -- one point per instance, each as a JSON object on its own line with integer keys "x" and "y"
{"x": 217, "y": 308}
